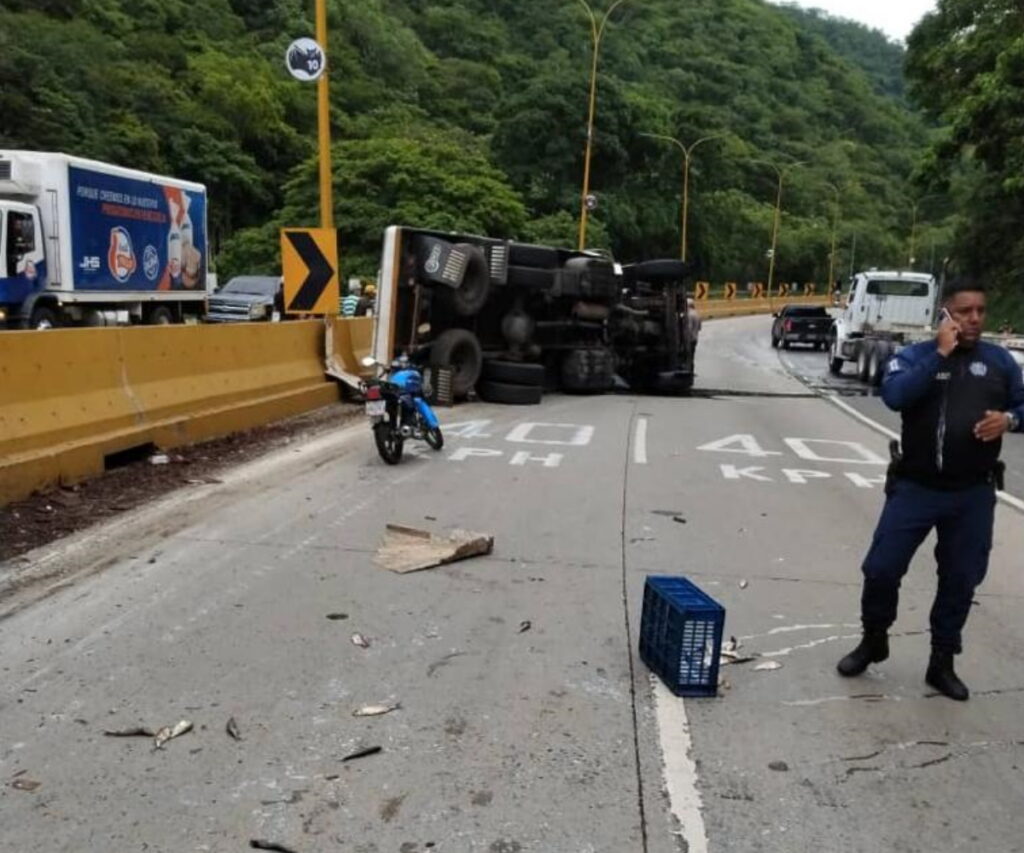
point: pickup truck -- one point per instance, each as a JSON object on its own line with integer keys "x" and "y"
{"x": 801, "y": 324}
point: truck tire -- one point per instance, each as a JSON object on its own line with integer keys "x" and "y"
{"x": 864, "y": 360}
{"x": 460, "y": 350}
{"x": 159, "y": 315}
{"x": 835, "y": 361}
{"x": 876, "y": 363}
{"x": 588, "y": 371}
{"x": 470, "y": 296}
{"x": 45, "y": 317}
{"x": 506, "y": 392}
{"x": 516, "y": 372}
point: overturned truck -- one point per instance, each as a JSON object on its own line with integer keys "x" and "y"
{"x": 511, "y": 319}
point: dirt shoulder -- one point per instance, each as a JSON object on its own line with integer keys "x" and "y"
{"x": 50, "y": 515}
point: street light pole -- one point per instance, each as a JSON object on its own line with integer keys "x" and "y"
{"x": 687, "y": 154}
{"x": 835, "y": 229}
{"x": 596, "y": 32}
{"x": 778, "y": 217}
{"x": 913, "y": 227}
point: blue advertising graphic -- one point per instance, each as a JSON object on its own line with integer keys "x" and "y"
{"x": 129, "y": 234}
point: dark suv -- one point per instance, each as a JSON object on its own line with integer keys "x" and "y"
{"x": 247, "y": 299}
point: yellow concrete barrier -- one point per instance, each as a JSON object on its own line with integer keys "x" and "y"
{"x": 70, "y": 398}
{"x": 713, "y": 308}
{"x": 349, "y": 341}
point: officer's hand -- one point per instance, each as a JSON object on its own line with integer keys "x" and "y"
{"x": 992, "y": 426}
{"x": 947, "y": 336}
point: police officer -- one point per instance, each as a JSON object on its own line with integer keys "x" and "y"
{"x": 957, "y": 396}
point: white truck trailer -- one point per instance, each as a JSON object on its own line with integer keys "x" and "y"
{"x": 84, "y": 242}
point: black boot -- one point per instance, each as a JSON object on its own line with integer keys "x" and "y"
{"x": 940, "y": 675}
{"x": 873, "y": 648}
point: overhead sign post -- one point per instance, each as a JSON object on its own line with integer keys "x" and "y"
{"x": 309, "y": 261}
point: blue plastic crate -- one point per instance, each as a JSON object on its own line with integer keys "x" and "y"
{"x": 681, "y": 635}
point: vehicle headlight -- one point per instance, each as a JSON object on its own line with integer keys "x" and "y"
{"x": 3, "y": 314}
{"x": 257, "y": 310}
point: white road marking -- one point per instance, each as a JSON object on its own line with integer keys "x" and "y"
{"x": 680, "y": 770}
{"x": 863, "y": 455}
{"x": 1005, "y": 497}
{"x": 581, "y": 434}
{"x": 640, "y": 442}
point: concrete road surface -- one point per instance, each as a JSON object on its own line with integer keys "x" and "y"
{"x": 527, "y": 721}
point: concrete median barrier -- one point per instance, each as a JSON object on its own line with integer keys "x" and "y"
{"x": 349, "y": 341}
{"x": 72, "y": 398}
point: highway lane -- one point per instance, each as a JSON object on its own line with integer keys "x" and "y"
{"x": 214, "y": 603}
{"x": 810, "y": 366}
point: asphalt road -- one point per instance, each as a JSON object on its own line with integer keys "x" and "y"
{"x": 214, "y": 603}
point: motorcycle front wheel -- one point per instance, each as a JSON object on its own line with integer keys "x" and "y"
{"x": 434, "y": 438}
{"x": 389, "y": 442}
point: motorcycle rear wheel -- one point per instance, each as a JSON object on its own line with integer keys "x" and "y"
{"x": 389, "y": 443}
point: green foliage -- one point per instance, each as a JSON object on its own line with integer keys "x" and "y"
{"x": 471, "y": 115}
{"x": 966, "y": 66}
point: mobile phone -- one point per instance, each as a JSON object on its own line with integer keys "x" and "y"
{"x": 945, "y": 315}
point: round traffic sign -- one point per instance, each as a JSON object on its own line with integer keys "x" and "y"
{"x": 305, "y": 59}
{"x": 591, "y": 201}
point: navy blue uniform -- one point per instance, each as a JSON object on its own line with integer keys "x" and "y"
{"x": 945, "y": 479}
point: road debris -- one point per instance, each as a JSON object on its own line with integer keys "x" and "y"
{"x": 257, "y": 844}
{"x": 232, "y": 729}
{"x": 363, "y": 753}
{"x": 336, "y": 617}
{"x": 768, "y": 666}
{"x": 409, "y": 549}
{"x": 525, "y": 626}
{"x": 361, "y": 641}
{"x": 779, "y": 766}
{"x": 137, "y": 731}
{"x": 678, "y": 519}
{"x": 171, "y": 732}
{"x": 375, "y": 710}
{"x": 28, "y": 785}
{"x": 159, "y": 459}
{"x": 744, "y": 584}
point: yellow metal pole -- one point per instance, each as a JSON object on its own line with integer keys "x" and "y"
{"x": 686, "y": 200}
{"x": 775, "y": 237}
{"x": 596, "y": 33}
{"x": 324, "y": 122}
{"x": 835, "y": 229}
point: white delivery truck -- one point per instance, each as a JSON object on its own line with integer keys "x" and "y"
{"x": 84, "y": 242}
{"x": 885, "y": 311}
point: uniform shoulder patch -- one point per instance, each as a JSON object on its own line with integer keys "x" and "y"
{"x": 979, "y": 368}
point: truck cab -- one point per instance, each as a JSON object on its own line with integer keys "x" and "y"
{"x": 22, "y": 257}
{"x": 885, "y": 311}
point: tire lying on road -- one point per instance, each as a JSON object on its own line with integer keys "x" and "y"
{"x": 460, "y": 350}
{"x": 506, "y": 392}
{"x": 588, "y": 371}
{"x": 516, "y": 372}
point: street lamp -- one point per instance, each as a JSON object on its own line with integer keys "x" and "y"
{"x": 835, "y": 229}
{"x": 596, "y": 31}
{"x": 778, "y": 215}
{"x": 687, "y": 152}
{"x": 913, "y": 226}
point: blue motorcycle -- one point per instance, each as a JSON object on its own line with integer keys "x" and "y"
{"x": 398, "y": 410}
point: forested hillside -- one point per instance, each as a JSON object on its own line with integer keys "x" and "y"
{"x": 471, "y": 114}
